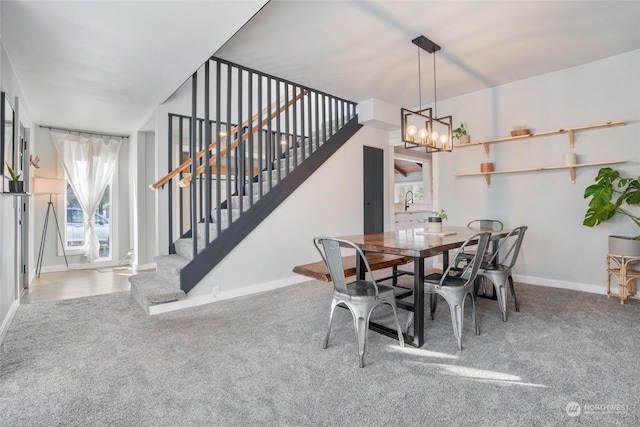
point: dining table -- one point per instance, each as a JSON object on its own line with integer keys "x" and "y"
{"x": 418, "y": 243}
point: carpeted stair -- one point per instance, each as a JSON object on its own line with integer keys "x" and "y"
{"x": 163, "y": 285}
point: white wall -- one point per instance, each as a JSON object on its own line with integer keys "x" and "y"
{"x": 9, "y": 292}
{"x": 142, "y": 200}
{"x": 558, "y": 250}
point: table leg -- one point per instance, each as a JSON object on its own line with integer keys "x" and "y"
{"x": 418, "y": 302}
{"x": 361, "y": 269}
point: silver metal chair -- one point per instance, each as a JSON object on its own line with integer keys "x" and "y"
{"x": 454, "y": 285}
{"x": 360, "y": 296}
{"x": 485, "y": 225}
{"x": 498, "y": 268}
{"x": 480, "y": 225}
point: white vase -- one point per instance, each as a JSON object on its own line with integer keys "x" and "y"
{"x": 434, "y": 225}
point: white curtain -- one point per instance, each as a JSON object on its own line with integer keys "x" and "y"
{"x": 89, "y": 162}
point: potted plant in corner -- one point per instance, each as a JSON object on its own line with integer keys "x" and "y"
{"x": 15, "y": 185}
{"x": 602, "y": 207}
{"x": 435, "y": 221}
{"x": 460, "y": 133}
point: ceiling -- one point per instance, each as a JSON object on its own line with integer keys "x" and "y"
{"x": 104, "y": 65}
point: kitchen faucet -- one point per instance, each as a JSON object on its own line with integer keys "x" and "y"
{"x": 406, "y": 199}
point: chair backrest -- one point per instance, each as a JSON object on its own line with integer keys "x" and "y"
{"x": 471, "y": 268}
{"x": 331, "y": 254}
{"x": 485, "y": 225}
{"x": 509, "y": 248}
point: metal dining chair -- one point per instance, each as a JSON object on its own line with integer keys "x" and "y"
{"x": 485, "y": 225}
{"x": 480, "y": 225}
{"x": 455, "y": 285}
{"x": 360, "y": 296}
{"x": 498, "y": 268}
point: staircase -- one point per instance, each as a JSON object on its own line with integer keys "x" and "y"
{"x": 177, "y": 273}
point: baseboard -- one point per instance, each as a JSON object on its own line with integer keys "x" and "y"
{"x": 83, "y": 266}
{"x": 194, "y": 301}
{"x": 552, "y": 283}
{"x": 8, "y": 319}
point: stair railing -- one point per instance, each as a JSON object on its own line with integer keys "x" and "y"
{"x": 281, "y": 124}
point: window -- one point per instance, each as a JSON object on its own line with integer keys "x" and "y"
{"x": 74, "y": 222}
{"x": 416, "y": 187}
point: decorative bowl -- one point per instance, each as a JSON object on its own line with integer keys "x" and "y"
{"x": 520, "y": 132}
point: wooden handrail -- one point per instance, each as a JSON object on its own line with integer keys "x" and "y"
{"x": 187, "y": 163}
{"x": 200, "y": 169}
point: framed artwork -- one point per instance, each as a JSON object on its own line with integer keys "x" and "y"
{"x": 6, "y": 136}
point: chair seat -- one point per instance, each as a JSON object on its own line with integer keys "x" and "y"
{"x": 434, "y": 279}
{"x": 362, "y": 289}
{"x": 493, "y": 267}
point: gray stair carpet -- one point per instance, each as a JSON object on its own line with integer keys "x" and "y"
{"x": 161, "y": 286}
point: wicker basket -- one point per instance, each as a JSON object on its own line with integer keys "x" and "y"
{"x": 486, "y": 167}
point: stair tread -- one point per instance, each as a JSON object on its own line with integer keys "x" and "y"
{"x": 154, "y": 289}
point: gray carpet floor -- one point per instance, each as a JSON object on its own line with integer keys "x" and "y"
{"x": 567, "y": 358}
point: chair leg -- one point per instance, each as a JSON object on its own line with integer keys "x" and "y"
{"x": 433, "y": 303}
{"x": 457, "y": 320}
{"x": 395, "y": 315}
{"x": 409, "y": 321}
{"x": 326, "y": 338}
{"x": 501, "y": 294}
{"x": 361, "y": 330}
{"x": 513, "y": 294}
{"x": 473, "y": 314}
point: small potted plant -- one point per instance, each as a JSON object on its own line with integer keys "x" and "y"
{"x": 15, "y": 185}
{"x": 460, "y": 133}
{"x": 435, "y": 221}
{"x": 602, "y": 207}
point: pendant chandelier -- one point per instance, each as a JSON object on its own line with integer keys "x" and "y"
{"x": 423, "y": 129}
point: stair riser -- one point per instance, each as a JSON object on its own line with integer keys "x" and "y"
{"x": 169, "y": 273}
{"x": 184, "y": 248}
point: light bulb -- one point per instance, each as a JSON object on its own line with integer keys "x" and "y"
{"x": 423, "y": 136}
{"x": 444, "y": 140}
{"x": 411, "y": 132}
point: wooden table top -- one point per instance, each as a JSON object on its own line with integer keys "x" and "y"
{"x": 414, "y": 242}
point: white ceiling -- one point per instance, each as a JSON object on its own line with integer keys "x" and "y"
{"x": 104, "y": 65}
{"x": 360, "y": 50}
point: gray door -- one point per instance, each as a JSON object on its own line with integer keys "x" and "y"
{"x": 373, "y": 159}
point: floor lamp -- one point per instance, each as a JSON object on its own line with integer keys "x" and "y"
{"x": 49, "y": 186}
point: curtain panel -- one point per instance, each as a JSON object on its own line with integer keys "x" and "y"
{"x": 89, "y": 162}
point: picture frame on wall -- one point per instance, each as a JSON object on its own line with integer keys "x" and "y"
{"x": 7, "y": 116}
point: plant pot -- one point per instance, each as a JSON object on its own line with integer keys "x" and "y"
{"x": 434, "y": 224}
{"x": 465, "y": 139}
{"x": 622, "y": 245}
{"x": 16, "y": 186}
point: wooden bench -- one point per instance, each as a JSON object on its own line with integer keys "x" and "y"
{"x": 318, "y": 270}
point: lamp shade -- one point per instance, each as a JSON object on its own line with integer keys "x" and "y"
{"x": 49, "y": 186}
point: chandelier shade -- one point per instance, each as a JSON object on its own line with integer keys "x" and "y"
{"x": 422, "y": 129}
